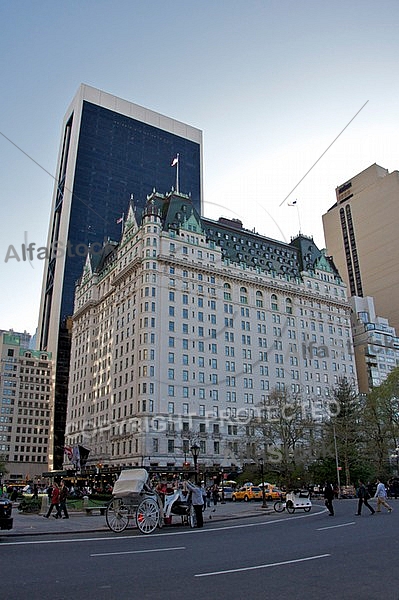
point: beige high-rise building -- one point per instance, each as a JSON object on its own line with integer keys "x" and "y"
{"x": 361, "y": 232}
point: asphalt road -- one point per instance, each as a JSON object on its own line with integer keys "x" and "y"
{"x": 300, "y": 556}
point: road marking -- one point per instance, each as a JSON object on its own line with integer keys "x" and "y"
{"x": 138, "y": 537}
{"x": 267, "y": 566}
{"x": 139, "y": 551}
{"x": 335, "y": 526}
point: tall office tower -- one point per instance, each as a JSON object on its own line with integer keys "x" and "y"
{"x": 375, "y": 344}
{"x": 26, "y": 393}
{"x": 182, "y": 330}
{"x": 110, "y": 150}
{"x": 361, "y": 232}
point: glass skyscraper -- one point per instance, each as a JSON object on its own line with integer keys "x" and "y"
{"x": 111, "y": 151}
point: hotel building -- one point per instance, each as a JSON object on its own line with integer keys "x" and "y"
{"x": 183, "y": 328}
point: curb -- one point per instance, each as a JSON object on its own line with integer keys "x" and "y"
{"x": 215, "y": 519}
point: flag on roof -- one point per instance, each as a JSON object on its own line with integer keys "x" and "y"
{"x": 175, "y": 161}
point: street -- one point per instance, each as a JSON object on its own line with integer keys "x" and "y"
{"x": 301, "y": 556}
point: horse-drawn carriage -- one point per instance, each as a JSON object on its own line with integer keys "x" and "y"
{"x": 135, "y": 498}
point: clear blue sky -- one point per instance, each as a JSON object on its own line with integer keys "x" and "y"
{"x": 270, "y": 83}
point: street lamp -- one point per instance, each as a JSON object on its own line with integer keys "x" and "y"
{"x": 264, "y": 504}
{"x": 195, "y": 450}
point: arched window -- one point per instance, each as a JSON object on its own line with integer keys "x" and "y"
{"x": 227, "y": 291}
{"x": 259, "y": 299}
{"x": 274, "y": 303}
{"x": 288, "y": 306}
{"x": 243, "y": 295}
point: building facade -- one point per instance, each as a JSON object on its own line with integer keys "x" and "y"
{"x": 361, "y": 236}
{"x": 110, "y": 150}
{"x": 25, "y": 338}
{"x": 376, "y": 345}
{"x": 26, "y": 386}
{"x": 183, "y": 328}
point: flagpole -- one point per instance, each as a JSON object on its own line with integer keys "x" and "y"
{"x": 295, "y": 203}
{"x": 177, "y": 173}
{"x": 299, "y": 220}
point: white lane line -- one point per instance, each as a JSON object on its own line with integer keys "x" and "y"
{"x": 139, "y": 551}
{"x": 335, "y": 526}
{"x": 205, "y": 530}
{"x": 267, "y": 566}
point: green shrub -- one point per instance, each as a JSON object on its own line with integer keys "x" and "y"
{"x": 29, "y": 506}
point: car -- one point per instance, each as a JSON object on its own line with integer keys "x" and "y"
{"x": 272, "y": 492}
{"x": 6, "y": 520}
{"x": 226, "y": 492}
{"x": 247, "y": 493}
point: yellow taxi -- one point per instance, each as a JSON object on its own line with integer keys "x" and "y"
{"x": 272, "y": 492}
{"x": 247, "y": 493}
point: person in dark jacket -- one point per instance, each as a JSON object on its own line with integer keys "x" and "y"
{"x": 63, "y": 498}
{"x": 328, "y": 497}
{"x": 364, "y": 496}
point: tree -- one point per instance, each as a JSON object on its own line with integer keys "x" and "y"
{"x": 381, "y": 423}
{"x": 345, "y": 430}
{"x": 280, "y": 434}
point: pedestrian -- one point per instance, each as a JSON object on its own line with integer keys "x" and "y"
{"x": 197, "y": 500}
{"x": 63, "y": 499}
{"x": 215, "y": 496}
{"x": 35, "y": 493}
{"x": 208, "y": 497}
{"x": 328, "y": 497}
{"x": 54, "y": 503}
{"x": 381, "y": 495}
{"x": 364, "y": 496}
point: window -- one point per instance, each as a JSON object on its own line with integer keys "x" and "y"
{"x": 227, "y": 291}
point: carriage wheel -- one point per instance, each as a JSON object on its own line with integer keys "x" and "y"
{"x": 290, "y": 507}
{"x": 307, "y": 508}
{"x": 147, "y": 515}
{"x": 117, "y": 515}
{"x": 279, "y": 506}
{"x": 192, "y": 519}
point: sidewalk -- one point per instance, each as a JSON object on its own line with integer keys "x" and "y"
{"x": 79, "y": 522}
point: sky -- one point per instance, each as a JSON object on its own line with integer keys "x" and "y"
{"x": 289, "y": 94}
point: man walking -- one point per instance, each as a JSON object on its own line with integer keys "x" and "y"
{"x": 63, "y": 499}
{"x": 381, "y": 495}
{"x": 328, "y": 497}
{"x": 363, "y": 496}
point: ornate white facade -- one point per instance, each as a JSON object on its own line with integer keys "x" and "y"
{"x": 175, "y": 339}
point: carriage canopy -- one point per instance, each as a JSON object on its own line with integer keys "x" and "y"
{"x": 130, "y": 481}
